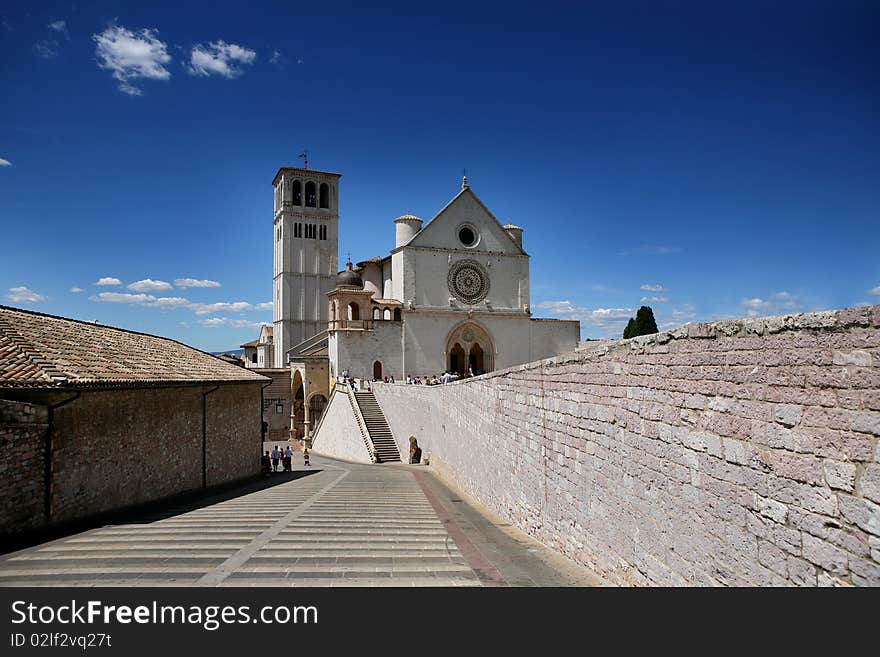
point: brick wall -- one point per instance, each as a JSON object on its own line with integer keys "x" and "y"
{"x": 22, "y": 464}
{"x": 121, "y": 447}
{"x": 737, "y": 453}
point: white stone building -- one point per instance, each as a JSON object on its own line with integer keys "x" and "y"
{"x": 260, "y": 353}
{"x": 452, "y": 295}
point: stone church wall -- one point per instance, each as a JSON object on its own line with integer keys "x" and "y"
{"x": 737, "y": 453}
{"x": 121, "y": 447}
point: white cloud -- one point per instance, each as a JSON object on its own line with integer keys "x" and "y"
{"x": 215, "y": 322}
{"x": 59, "y": 26}
{"x": 5, "y": 163}
{"x": 780, "y": 303}
{"x": 684, "y": 313}
{"x": 146, "y": 300}
{"x": 194, "y": 282}
{"x": 76, "y": 290}
{"x": 108, "y": 280}
{"x": 219, "y": 58}
{"x": 875, "y": 291}
{"x": 654, "y": 288}
{"x": 222, "y": 306}
{"x": 278, "y": 59}
{"x": 131, "y": 56}
{"x": 655, "y": 300}
{"x": 607, "y": 321}
{"x": 47, "y": 48}
{"x": 24, "y": 295}
{"x": 266, "y": 305}
{"x": 149, "y": 285}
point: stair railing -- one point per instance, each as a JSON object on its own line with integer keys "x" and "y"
{"x": 362, "y": 424}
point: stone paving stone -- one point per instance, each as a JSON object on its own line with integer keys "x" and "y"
{"x": 342, "y": 525}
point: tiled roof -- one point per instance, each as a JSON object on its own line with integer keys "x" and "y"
{"x": 44, "y": 351}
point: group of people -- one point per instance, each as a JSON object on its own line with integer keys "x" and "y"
{"x": 434, "y": 380}
{"x": 283, "y": 459}
{"x": 447, "y": 377}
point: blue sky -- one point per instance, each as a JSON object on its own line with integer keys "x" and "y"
{"x": 709, "y": 160}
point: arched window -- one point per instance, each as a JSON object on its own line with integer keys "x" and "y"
{"x": 310, "y": 194}
{"x": 397, "y": 314}
{"x": 297, "y": 193}
{"x": 354, "y": 311}
{"x": 325, "y": 195}
{"x": 387, "y": 314}
{"x": 377, "y": 313}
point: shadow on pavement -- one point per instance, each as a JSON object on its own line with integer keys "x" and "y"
{"x": 152, "y": 511}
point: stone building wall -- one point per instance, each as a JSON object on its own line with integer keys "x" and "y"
{"x": 22, "y": 464}
{"x": 120, "y": 447}
{"x": 737, "y": 453}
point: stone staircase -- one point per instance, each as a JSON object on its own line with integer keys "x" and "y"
{"x": 377, "y": 426}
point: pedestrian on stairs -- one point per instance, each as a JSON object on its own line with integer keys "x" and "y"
{"x": 306, "y": 456}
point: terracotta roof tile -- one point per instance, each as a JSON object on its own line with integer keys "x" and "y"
{"x": 39, "y": 350}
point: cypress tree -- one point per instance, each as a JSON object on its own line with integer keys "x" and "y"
{"x": 645, "y": 323}
{"x": 630, "y": 328}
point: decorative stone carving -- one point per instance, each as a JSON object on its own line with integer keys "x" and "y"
{"x": 468, "y": 281}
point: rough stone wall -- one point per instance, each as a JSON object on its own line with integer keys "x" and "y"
{"x": 121, "y": 447}
{"x": 737, "y": 453}
{"x": 233, "y": 433}
{"x": 22, "y": 464}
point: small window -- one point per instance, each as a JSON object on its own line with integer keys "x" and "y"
{"x": 279, "y": 408}
{"x": 467, "y": 235}
{"x": 325, "y": 195}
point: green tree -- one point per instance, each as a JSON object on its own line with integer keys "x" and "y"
{"x": 645, "y": 324}
{"x": 642, "y": 324}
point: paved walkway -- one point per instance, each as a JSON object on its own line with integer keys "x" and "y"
{"x": 334, "y": 524}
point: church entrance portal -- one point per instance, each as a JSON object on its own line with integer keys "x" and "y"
{"x": 377, "y": 370}
{"x": 470, "y": 347}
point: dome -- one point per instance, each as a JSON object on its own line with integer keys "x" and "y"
{"x": 349, "y": 277}
{"x": 407, "y": 217}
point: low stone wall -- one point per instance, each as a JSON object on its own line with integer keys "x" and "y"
{"x": 736, "y": 453}
{"x": 22, "y": 464}
{"x": 121, "y": 447}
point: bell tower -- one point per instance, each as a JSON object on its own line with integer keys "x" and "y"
{"x": 306, "y": 222}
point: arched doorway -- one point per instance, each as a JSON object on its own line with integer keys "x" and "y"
{"x": 317, "y": 403}
{"x": 475, "y": 358}
{"x": 298, "y": 408}
{"x": 354, "y": 311}
{"x": 469, "y": 346}
{"x": 456, "y": 359}
{"x": 377, "y": 370}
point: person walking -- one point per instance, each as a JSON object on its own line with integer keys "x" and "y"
{"x": 288, "y": 459}
{"x": 306, "y": 456}
{"x": 276, "y": 454}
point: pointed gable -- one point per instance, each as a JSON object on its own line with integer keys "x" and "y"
{"x": 466, "y": 210}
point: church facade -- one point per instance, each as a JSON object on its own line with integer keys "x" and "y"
{"x": 452, "y": 295}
